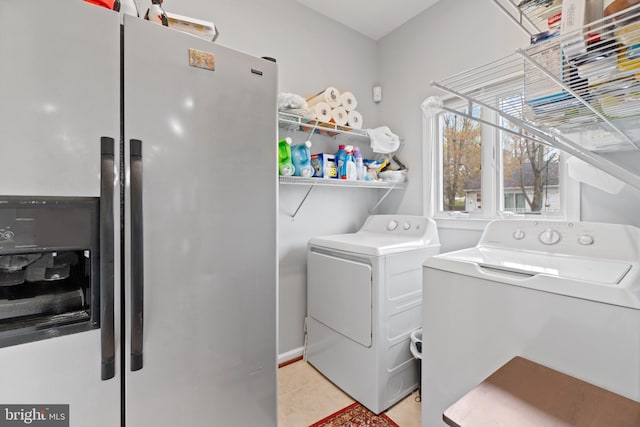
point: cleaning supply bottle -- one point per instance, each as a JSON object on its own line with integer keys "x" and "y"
{"x": 341, "y": 155}
{"x": 359, "y": 164}
{"x": 301, "y": 157}
{"x": 156, "y": 13}
{"x": 350, "y": 167}
{"x": 285, "y": 166}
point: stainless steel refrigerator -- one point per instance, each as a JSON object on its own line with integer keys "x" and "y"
{"x": 137, "y": 222}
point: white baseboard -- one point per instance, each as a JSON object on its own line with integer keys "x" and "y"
{"x": 290, "y": 355}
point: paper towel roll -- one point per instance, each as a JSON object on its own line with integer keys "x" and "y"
{"x": 322, "y": 111}
{"x": 349, "y": 101}
{"x": 330, "y": 95}
{"x": 339, "y": 115}
{"x": 354, "y": 119}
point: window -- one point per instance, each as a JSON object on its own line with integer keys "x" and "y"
{"x": 461, "y": 163}
{"x": 530, "y": 179}
{"x": 480, "y": 171}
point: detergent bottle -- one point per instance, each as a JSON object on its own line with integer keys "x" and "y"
{"x": 350, "y": 167}
{"x": 301, "y": 156}
{"x": 341, "y": 155}
{"x": 360, "y": 172}
{"x": 156, "y": 13}
{"x": 285, "y": 166}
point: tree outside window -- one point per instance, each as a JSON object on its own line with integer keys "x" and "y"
{"x": 488, "y": 171}
{"x": 530, "y": 171}
{"x": 461, "y": 162}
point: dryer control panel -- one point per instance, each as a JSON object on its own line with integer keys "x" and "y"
{"x": 613, "y": 241}
{"x": 401, "y": 225}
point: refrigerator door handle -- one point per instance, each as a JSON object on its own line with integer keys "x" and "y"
{"x": 137, "y": 256}
{"x": 107, "y": 182}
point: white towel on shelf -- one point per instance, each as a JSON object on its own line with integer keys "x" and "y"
{"x": 383, "y": 140}
{"x": 289, "y": 101}
{"x": 305, "y": 113}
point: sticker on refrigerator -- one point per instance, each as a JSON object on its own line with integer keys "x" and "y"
{"x": 200, "y": 59}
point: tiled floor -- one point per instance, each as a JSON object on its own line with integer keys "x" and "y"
{"x": 305, "y": 396}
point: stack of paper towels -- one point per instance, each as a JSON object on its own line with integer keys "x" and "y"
{"x": 332, "y": 106}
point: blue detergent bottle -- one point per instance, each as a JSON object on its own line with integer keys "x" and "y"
{"x": 301, "y": 156}
{"x": 341, "y": 156}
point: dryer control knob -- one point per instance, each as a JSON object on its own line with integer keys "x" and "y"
{"x": 393, "y": 224}
{"x": 549, "y": 237}
{"x": 518, "y": 234}
{"x": 586, "y": 240}
{"x": 406, "y": 226}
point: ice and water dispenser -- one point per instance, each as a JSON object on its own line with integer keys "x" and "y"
{"x": 49, "y": 275}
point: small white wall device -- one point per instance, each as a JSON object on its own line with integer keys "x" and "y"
{"x": 377, "y": 94}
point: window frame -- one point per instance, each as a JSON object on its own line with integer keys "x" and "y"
{"x": 492, "y": 191}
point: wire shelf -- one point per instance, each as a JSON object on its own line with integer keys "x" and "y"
{"x": 532, "y": 16}
{"x": 294, "y": 122}
{"x": 579, "y": 91}
{"x": 339, "y": 182}
{"x": 330, "y": 182}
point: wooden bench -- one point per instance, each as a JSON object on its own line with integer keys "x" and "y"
{"x": 525, "y": 394}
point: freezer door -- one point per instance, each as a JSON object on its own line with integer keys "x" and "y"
{"x": 59, "y": 95}
{"x": 206, "y": 172}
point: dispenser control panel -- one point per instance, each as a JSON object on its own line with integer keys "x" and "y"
{"x": 563, "y": 237}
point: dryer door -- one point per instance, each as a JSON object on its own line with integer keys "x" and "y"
{"x": 339, "y": 295}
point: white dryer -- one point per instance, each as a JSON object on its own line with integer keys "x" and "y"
{"x": 563, "y": 294}
{"x": 364, "y": 298}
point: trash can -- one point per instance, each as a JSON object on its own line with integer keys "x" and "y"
{"x": 416, "y": 351}
{"x": 416, "y": 343}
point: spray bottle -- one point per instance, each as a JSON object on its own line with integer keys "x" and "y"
{"x": 360, "y": 172}
{"x": 156, "y": 13}
{"x": 350, "y": 163}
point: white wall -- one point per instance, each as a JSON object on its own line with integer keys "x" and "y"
{"x": 312, "y": 52}
{"x": 599, "y": 206}
{"x": 448, "y": 38}
{"x": 622, "y": 208}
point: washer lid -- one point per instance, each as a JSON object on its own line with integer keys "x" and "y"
{"x": 600, "y": 280}
{"x": 532, "y": 263}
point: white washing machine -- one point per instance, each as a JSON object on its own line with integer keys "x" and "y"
{"x": 364, "y": 293}
{"x": 563, "y": 294}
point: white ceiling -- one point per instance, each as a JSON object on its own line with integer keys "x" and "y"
{"x": 373, "y": 18}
